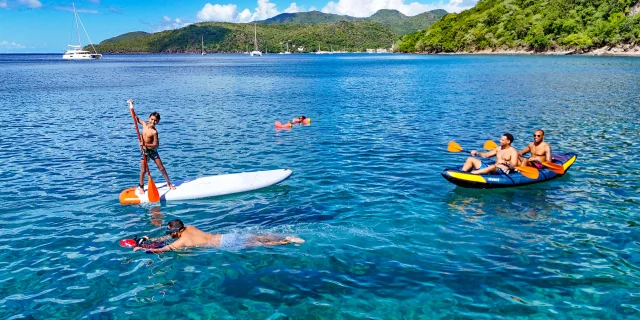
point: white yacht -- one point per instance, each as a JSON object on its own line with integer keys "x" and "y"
{"x": 256, "y": 51}
{"x": 75, "y": 51}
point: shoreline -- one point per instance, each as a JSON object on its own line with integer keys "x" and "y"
{"x": 619, "y": 51}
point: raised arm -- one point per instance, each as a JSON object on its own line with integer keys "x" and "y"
{"x": 130, "y": 102}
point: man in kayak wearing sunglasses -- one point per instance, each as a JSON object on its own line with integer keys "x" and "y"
{"x": 190, "y": 236}
{"x": 539, "y": 149}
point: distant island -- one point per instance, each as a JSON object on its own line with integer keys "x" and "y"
{"x": 303, "y": 32}
{"x": 528, "y": 26}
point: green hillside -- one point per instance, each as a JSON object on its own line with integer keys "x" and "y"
{"x": 232, "y": 37}
{"x": 125, "y": 37}
{"x": 538, "y": 25}
{"x": 397, "y": 21}
{"x": 311, "y": 17}
{"x": 402, "y": 24}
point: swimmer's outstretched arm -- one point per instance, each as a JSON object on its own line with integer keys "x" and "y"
{"x": 163, "y": 249}
{"x": 158, "y": 239}
{"x": 174, "y": 246}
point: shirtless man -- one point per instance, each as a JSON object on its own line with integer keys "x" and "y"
{"x": 506, "y": 158}
{"x": 540, "y": 151}
{"x": 190, "y": 236}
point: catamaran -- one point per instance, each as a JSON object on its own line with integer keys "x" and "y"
{"x": 76, "y": 52}
{"x": 256, "y": 51}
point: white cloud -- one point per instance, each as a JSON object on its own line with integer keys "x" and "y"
{"x": 216, "y": 12}
{"x": 355, "y": 8}
{"x": 170, "y": 24}
{"x": 293, "y": 8}
{"x": 265, "y": 10}
{"x": 365, "y": 8}
{"x": 231, "y": 13}
{"x": 10, "y": 45}
{"x": 30, "y": 3}
{"x": 3, "y": 3}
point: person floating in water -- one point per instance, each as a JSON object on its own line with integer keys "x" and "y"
{"x": 150, "y": 143}
{"x": 539, "y": 149}
{"x": 506, "y": 158}
{"x": 190, "y": 236}
{"x": 301, "y": 119}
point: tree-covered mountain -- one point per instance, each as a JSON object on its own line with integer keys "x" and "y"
{"x": 125, "y": 37}
{"x": 402, "y": 24}
{"x": 397, "y": 21}
{"x": 234, "y": 37}
{"x": 311, "y": 17}
{"x": 538, "y": 25}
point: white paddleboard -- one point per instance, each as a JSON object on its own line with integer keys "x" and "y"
{"x": 212, "y": 186}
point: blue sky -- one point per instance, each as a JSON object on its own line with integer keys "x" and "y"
{"x": 47, "y": 25}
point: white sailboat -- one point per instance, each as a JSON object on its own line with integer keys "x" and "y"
{"x": 204, "y": 53}
{"x": 287, "y": 52}
{"x": 76, "y": 52}
{"x": 256, "y": 51}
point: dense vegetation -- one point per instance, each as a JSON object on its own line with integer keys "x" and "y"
{"x": 125, "y": 37}
{"x": 397, "y": 21}
{"x": 233, "y": 37}
{"x": 538, "y": 25}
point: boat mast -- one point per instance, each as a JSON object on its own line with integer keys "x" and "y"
{"x": 75, "y": 15}
{"x": 255, "y": 37}
{"x": 83, "y": 28}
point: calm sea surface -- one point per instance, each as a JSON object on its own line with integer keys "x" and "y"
{"x": 387, "y": 236}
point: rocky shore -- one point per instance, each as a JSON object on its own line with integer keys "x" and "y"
{"x": 622, "y": 50}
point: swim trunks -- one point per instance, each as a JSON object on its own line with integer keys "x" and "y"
{"x": 536, "y": 164}
{"x": 151, "y": 154}
{"x": 234, "y": 241}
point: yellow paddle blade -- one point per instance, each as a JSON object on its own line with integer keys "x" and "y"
{"x": 490, "y": 145}
{"x": 454, "y": 147}
{"x": 529, "y": 172}
{"x": 554, "y": 167}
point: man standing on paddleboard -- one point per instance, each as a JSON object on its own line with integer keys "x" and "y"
{"x": 150, "y": 143}
{"x": 190, "y": 236}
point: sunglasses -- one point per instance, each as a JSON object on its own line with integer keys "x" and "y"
{"x": 537, "y": 135}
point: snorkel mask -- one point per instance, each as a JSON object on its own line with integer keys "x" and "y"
{"x": 170, "y": 231}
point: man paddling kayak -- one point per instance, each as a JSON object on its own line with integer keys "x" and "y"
{"x": 190, "y": 236}
{"x": 150, "y": 143}
{"x": 506, "y": 158}
{"x": 539, "y": 149}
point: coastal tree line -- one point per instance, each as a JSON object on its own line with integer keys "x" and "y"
{"x": 538, "y": 25}
{"x": 233, "y": 37}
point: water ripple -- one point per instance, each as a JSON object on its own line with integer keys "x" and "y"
{"x": 387, "y": 237}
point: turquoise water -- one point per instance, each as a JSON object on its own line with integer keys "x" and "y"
{"x": 387, "y": 236}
